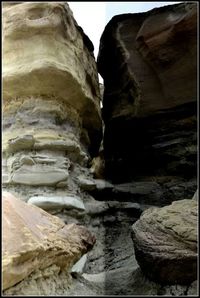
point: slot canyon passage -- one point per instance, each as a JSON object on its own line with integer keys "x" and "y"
{"x": 99, "y": 201}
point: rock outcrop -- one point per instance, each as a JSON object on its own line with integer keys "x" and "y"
{"x": 51, "y": 100}
{"x": 148, "y": 63}
{"x": 54, "y": 156}
{"x": 153, "y": 55}
{"x": 35, "y": 241}
{"x": 165, "y": 242}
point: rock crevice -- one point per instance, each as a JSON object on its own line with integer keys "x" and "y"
{"x": 133, "y": 189}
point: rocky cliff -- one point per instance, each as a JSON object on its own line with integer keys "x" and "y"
{"x": 149, "y": 65}
{"x": 51, "y": 128}
{"x": 51, "y": 102}
{"x": 133, "y": 188}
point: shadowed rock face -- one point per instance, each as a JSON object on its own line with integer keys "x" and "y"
{"x": 165, "y": 242}
{"x": 34, "y": 240}
{"x": 148, "y": 63}
{"x": 51, "y": 111}
{"x": 149, "y": 66}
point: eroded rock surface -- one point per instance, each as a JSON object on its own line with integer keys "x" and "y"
{"x": 51, "y": 99}
{"x": 153, "y": 55}
{"x": 53, "y": 126}
{"x": 34, "y": 240}
{"x": 165, "y": 242}
{"x": 148, "y": 63}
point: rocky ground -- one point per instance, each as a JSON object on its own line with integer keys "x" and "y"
{"x": 111, "y": 267}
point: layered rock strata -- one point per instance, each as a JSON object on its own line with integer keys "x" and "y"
{"x": 37, "y": 243}
{"x": 149, "y": 65}
{"x": 48, "y": 166}
{"x": 51, "y": 101}
{"x": 165, "y": 242}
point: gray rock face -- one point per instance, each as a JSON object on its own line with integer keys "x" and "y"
{"x": 79, "y": 266}
{"x": 49, "y": 203}
{"x": 165, "y": 242}
{"x": 39, "y": 175}
{"x": 86, "y": 183}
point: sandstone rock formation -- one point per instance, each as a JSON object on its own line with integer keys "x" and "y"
{"x": 148, "y": 63}
{"x": 156, "y": 56}
{"x": 34, "y": 240}
{"x": 52, "y": 133}
{"x": 51, "y": 100}
{"x": 165, "y": 242}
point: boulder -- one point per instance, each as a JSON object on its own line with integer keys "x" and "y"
{"x": 165, "y": 242}
{"x": 35, "y": 240}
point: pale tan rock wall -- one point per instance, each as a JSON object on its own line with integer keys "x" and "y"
{"x": 34, "y": 240}
{"x": 51, "y": 98}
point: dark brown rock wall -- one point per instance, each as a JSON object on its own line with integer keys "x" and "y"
{"x": 148, "y": 62}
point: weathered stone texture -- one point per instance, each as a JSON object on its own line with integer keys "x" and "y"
{"x": 53, "y": 202}
{"x": 153, "y": 52}
{"x": 52, "y": 126}
{"x": 165, "y": 242}
{"x": 149, "y": 65}
{"x": 51, "y": 98}
{"x": 35, "y": 240}
{"x": 45, "y": 51}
